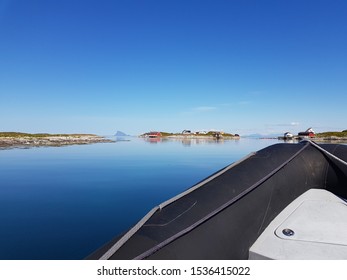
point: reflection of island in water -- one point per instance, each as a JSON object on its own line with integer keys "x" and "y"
{"x": 188, "y": 141}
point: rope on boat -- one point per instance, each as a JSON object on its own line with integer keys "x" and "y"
{"x": 108, "y": 254}
{"x": 218, "y": 210}
{"x": 164, "y": 204}
{"x": 326, "y": 152}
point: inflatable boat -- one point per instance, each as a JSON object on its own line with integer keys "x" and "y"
{"x": 286, "y": 201}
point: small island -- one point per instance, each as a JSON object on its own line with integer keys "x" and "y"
{"x": 26, "y": 140}
{"x": 332, "y": 136}
{"x": 321, "y": 137}
{"x": 188, "y": 134}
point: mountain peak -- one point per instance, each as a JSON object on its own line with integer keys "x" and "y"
{"x": 120, "y": 133}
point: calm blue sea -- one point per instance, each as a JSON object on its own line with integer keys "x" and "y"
{"x": 65, "y": 202}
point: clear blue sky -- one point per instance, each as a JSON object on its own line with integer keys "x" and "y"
{"x": 241, "y": 66}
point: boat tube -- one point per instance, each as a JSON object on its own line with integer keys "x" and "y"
{"x": 224, "y": 215}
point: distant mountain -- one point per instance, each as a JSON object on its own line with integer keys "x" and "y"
{"x": 120, "y": 133}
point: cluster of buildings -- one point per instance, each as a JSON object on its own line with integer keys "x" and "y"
{"x": 308, "y": 133}
{"x": 201, "y": 132}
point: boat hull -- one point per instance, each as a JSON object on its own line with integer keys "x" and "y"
{"x": 222, "y": 216}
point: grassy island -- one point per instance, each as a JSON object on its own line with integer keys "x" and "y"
{"x": 22, "y": 140}
{"x": 39, "y": 135}
{"x": 188, "y": 134}
{"x": 332, "y": 134}
{"x": 324, "y": 136}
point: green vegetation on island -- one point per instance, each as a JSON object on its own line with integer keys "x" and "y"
{"x": 342, "y": 134}
{"x": 190, "y": 134}
{"x": 20, "y": 139}
{"x": 321, "y": 136}
{"x": 39, "y": 135}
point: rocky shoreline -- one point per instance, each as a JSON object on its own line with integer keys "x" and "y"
{"x": 50, "y": 141}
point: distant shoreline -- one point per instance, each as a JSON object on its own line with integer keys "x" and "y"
{"x": 25, "y": 140}
{"x": 329, "y": 138}
{"x": 198, "y": 137}
{"x": 316, "y": 139}
{"x": 190, "y": 135}
{"x": 9, "y": 140}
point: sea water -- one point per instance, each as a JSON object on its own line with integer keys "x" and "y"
{"x": 66, "y": 202}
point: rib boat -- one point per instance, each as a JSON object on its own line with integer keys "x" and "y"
{"x": 286, "y": 201}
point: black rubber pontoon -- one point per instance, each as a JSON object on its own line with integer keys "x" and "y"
{"x": 221, "y": 217}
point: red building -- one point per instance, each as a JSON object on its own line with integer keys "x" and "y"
{"x": 154, "y": 134}
{"x": 308, "y": 133}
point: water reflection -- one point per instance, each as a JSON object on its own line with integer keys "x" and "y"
{"x": 62, "y": 192}
{"x": 187, "y": 142}
{"x": 121, "y": 138}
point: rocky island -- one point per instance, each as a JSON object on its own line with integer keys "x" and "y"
{"x": 23, "y": 140}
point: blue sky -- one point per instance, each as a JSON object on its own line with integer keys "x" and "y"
{"x": 242, "y": 66}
